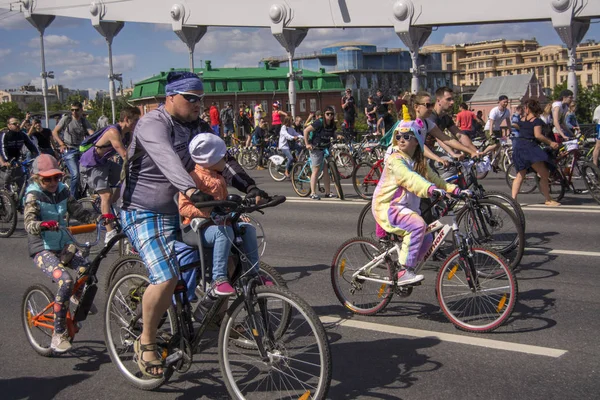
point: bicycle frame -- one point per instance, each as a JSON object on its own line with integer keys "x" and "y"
{"x": 44, "y": 318}
{"x": 444, "y": 231}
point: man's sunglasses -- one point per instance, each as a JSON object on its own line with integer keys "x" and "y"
{"x": 50, "y": 179}
{"x": 191, "y": 97}
{"x": 75, "y": 109}
{"x": 329, "y": 113}
{"x": 428, "y": 105}
{"x": 13, "y": 123}
{"x": 405, "y": 136}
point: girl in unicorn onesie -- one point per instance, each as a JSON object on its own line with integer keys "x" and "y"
{"x": 405, "y": 179}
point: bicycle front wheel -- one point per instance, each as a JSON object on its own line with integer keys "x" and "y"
{"x": 335, "y": 175}
{"x": 345, "y": 165}
{"x": 301, "y": 179}
{"x": 8, "y": 214}
{"x": 277, "y": 172}
{"x": 591, "y": 177}
{"x": 364, "y": 179}
{"x": 123, "y": 324}
{"x": 248, "y": 158}
{"x": 491, "y": 223}
{"x": 369, "y": 291}
{"x": 478, "y": 303}
{"x": 511, "y": 203}
{"x": 297, "y": 364}
{"x": 529, "y": 182}
{"x": 38, "y": 320}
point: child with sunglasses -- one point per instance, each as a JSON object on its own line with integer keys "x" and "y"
{"x": 47, "y": 202}
{"x": 405, "y": 179}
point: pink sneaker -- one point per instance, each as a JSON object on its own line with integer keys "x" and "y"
{"x": 266, "y": 281}
{"x": 224, "y": 289}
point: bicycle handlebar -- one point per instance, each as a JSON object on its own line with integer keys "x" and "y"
{"x": 241, "y": 207}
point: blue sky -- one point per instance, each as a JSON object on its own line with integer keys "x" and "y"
{"x": 78, "y": 54}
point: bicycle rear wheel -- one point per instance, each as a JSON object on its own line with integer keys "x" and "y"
{"x": 490, "y": 303}
{"x": 491, "y": 223}
{"x": 8, "y": 214}
{"x": 37, "y": 325}
{"x": 298, "y": 362}
{"x": 248, "y": 158}
{"x": 357, "y": 293}
{"x": 345, "y": 165}
{"x": 557, "y": 184}
{"x": 364, "y": 179}
{"x": 301, "y": 179}
{"x": 123, "y": 324}
{"x": 529, "y": 182}
{"x": 591, "y": 177}
{"x": 277, "y": 172}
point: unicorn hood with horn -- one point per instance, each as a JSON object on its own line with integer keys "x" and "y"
{"x": 407, "y": 125}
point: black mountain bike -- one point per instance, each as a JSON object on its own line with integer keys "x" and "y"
{"x": 271, "y": 343}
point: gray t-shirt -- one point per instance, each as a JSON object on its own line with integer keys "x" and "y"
{"x": 73, "y": 131}
{"x": 163, "y": 170}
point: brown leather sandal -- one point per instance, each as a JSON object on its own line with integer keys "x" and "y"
{"x": 147, "y": 366}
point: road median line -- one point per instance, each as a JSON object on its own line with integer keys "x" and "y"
{"x": 447, "y": 337}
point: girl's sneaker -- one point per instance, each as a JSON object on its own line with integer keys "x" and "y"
{"x": 408, "y": 276}
{"x": 224, "y": 288}
{"x": 60, "y": 342}
{"x": 315, "y": 197}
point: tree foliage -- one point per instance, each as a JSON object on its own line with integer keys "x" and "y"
{"x": 35, "y": 107}
{"x": 587, "y": 101}
{"x": 8, "y": 110}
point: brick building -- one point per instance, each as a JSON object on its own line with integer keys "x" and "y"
{"x": 250, "y": 85}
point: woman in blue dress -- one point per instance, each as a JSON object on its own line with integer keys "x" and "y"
{"x": 527, "y": 152}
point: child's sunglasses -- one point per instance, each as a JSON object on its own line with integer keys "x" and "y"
{"x": 405, "y": 136}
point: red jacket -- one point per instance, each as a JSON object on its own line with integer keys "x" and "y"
{"x": 214, "y": 116}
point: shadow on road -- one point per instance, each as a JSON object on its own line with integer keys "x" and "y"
{"x": 293, "y": 274}
{"x": 377, "y": 364}
{"x": 531, "y": 313}
{"x": 35, "y": 388}
{"x": 92, "y": 355}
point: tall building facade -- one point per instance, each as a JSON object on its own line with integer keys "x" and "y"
{"x": 473, "y": 62}
{"x": 364, "y": 68}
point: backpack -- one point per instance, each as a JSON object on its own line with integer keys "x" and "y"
{"x": 227, "y": 116}
{"x": 91, "y": 140}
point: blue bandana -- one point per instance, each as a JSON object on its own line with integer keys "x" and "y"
{"x": 182, "y": 81}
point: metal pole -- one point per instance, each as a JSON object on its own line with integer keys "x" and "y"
{"x": 572, "y": 76}
{"x": 191, "y": 59}
{"x": 292, "y": 86}
{"x": 414, "y": 85}
{"x": 44, "y": 79}
{"x": 111, "y": 81}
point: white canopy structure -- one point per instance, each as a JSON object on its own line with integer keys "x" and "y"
{"x": 290, "y": 20}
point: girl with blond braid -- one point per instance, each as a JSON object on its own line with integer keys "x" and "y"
{"x": 405, "y": 179}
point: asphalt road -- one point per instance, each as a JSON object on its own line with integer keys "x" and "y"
{"x": 548, "y": 349}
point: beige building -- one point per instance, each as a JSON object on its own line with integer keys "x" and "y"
{"x": 473, "y": 62}
{"x": 24, "y": 98}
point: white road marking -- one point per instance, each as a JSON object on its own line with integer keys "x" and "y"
{"x": 560, "y": 210}
{"x": 355, "y": 202}
{"x": 448, "y": 337}
{"x": 564, "y": 252}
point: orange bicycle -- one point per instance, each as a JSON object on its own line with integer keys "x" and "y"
{"x": 38, "y": 302}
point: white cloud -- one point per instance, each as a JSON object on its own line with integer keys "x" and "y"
{"x": 4, "y": 52}
{"x": 15, "y": 79}
{"x": 53, "y": 41}
{"x": 491, "y": 32}
{"x": 10, "y": 20}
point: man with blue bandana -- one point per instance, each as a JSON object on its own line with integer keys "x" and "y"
{"x": 158, "y": 168}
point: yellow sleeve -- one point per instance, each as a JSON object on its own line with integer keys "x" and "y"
{"x": 406, "y": 177}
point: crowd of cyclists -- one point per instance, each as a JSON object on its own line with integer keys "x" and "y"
{"x": 171, "y": 159}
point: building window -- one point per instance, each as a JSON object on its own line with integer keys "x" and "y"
{"x": 534, "y": 59}
{"x": 585, "y": 55}
{"x": 509, "y": 62}
{"x": 265, "y": 105}
{"x": 481, "y": 76}
{"x": 500, "y": 62}
{"x": 595, "y": 53}
{"x": 489, "y": 64}
{"x": 481, "y": 64}
{"x": 303, "y": 105}
{"x": 313, "y": 105}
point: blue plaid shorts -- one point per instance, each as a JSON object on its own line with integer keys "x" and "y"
{"x": 153, "y": 235}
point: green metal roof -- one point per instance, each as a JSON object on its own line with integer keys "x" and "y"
{"x": 243, "y": 80}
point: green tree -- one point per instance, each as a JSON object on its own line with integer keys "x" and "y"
{"x": 8, "y": 110}
{"x": 587, "y": 101}
{"x": 35, "y": 107}
{"x": 56, "y": 106}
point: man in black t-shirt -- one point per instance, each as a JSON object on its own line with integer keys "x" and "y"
{"x": 382, "y": 104}
{"x": 43, "y": 137}
{"x": 349, "y": 107}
